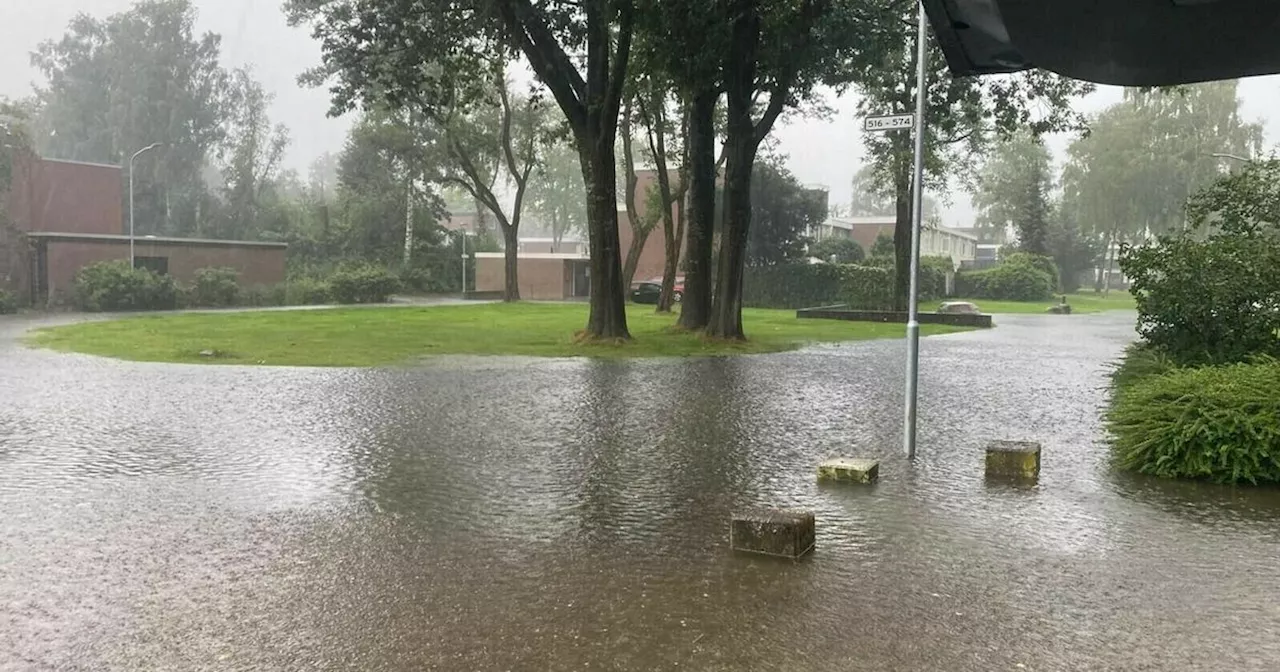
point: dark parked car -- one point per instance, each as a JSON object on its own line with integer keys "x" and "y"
{"x": 648, "y": 291}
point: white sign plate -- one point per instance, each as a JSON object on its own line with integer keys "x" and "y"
{"x": 891, "y": 122}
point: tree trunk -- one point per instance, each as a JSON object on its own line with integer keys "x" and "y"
{"x": 408, "y": 223}
{"x": 740, "y": 154}
{"x": 511, "y": 263}
{"x": 638, "y": 239}
{"x": 695, "y": 313}
{"x": 901, "y": 241}
{"x": 726, "y": 308}
{"x": 1111, "y": 262}
{"x": 608, "y": 314}
{"x": 671, "y": 237}
{"x": 556, "y": 233}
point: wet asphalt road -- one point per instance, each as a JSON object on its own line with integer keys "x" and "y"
{"x": 520, "y": 514}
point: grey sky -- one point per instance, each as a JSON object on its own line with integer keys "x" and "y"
{"x": 254, "y": 33}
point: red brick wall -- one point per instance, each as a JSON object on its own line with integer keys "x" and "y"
{"x": 540, "y": 279}
{"x": 68, "y": 197}
{"x": 257, "y": 265}
{"x": 652, "y": 255}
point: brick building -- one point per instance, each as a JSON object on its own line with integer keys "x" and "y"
{"x": 64, "y": 215}
{"x": 563, "y": 274}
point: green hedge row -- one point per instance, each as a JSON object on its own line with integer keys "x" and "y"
{"x": 1220, "y": 423}
{"x": 869, "y": 287}
{"x": 1021, "y": 277}
{"x": 114, "y": 286}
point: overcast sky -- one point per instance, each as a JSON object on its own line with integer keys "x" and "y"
{"x": 254, "y": 33}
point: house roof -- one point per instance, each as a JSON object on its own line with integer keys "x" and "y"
{"x": 849, "y": 223}
{"x": 149, "y": 240}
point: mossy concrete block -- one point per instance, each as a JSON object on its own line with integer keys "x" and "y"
{"x": 784, "y": 534}
{"x": 849, "y": 470}
{"x": 1017, "y": 460}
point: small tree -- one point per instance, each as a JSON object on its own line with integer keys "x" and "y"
{"x": 883, "y": 247}
{"x": 838, "y": 250}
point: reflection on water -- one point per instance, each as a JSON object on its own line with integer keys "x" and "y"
{"x": 544, "y": 514}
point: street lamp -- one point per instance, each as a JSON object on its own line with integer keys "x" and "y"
{"x": 136, "y": 154}
{"x": 917, "y": 204}
{"x": 465, "y": 235}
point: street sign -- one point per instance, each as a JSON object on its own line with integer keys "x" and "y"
{"x": 889, "y": 122}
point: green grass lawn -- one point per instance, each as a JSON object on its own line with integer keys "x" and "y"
{"x": 374, "y": 336}
{"x": 1081, "y": 302}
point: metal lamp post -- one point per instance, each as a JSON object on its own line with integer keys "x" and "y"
{"x": 465, "y": 235}
{"x": 136, "y": 154}
{"x": 917, "y": 200}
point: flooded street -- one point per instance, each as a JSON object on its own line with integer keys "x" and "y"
{"x": 523, "y": 514}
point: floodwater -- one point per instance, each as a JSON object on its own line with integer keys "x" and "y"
{"x": 504, "y": 514}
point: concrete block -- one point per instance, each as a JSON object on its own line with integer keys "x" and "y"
{"x": 849, "y": 470}
{"x": 785, "y": 534}
{"x": 1016, "y": 460}
{"x": 958, "y": 308}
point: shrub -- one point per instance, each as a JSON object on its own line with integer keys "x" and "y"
{"x": 810, "y": 285}
{"x": 1006, "y": 282}
{"x": 422, "y": 280}
{"x": 307, "y": 291}
{"x": 838, "y": 250}
{"x": 215, "y": 288}
{"x": 1141, "y": 360}
{"x": 1210, "y": 301}
{"x": 1046, "y": 264}
{"x": 8, "y": 302}
{"x": 260, "y": 296}
{"x": 363, "y": 284}
{"x": 1220, "y": 423}
{"x": 115, "y": 286}
{"x": 883, "y": 247}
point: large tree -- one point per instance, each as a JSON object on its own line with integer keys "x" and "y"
{"x": 962, "y": 116}
{"x": 555, "y": 194}
{"x": 501, "y": 134}
{"x": 251, "y": 159}
{"x": 1013, "y": 191}
{"x": 782, "y": 210}
{"x": 116, "y": 85}
{"x": 427, "y": 55}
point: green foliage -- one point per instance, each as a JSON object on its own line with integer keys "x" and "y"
{"x": 838, "y": 250}
{"x": 1013, "y": 191}
{"x": 812, "y": 285}
{"x": 117, "y": 84}
{"x": 1146, "y": 155}
{"x": 257, "y": 296}
{"x": 215, "y": 288}
{"x": 933, "y": 276}
{"x": 307, "y": 291}
{"x": 883, "y": 247}
{"x": 112, "y": 286}
{"x": 781, "y": 211}
{"x": 363, "y": 284}
{"x": 1007, "y": 282}
{"x": 1041, "y": 262}
{"x": 1220, "y": 423}
{"x": 1140, "y": 361}
{"x": 8, "y": 302}
{"x": 1216, "y": 300}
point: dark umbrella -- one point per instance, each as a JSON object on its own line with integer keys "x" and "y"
{"x": 1125, "y": 42}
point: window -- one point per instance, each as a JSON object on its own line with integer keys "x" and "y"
{"x": 159, "y": 265}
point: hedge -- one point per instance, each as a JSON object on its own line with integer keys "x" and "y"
{"x": 116, "y": 286}
{"x": 1220, "y": 423}
{"x": 811, "y": 285}
{"x": 1010, "y": 281}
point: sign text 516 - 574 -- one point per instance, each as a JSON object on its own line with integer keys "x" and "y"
{"x": 894, "y": 122}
